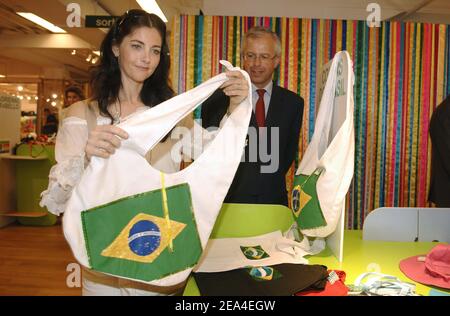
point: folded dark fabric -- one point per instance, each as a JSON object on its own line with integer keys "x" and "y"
{"x": 335, "y": 286}
{"x": 278, "y": 280}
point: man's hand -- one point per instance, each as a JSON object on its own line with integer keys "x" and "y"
{"x": 236, "y": 88}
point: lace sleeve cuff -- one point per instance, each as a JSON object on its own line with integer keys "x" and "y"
{"x": 63, "y": 177}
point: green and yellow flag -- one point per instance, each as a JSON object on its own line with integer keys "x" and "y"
{"x": 131, "y": 237}
{"x": 305, "y": 203}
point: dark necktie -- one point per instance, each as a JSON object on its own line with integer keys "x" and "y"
{"x": 260, "y": 111}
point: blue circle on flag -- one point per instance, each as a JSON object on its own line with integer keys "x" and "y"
{"x": 261, "y": 272}
{"x": 295, "y": 200}
{"x": 144, "y": 238}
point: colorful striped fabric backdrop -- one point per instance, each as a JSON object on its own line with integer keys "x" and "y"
{"x": 402, "y": 71}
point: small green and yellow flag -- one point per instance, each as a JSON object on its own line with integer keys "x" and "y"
{"x": 305, "y": 202}
{"x": 254, "y": 252}
{"x": 300, "y": 199}
{"x": 130, "y": 237}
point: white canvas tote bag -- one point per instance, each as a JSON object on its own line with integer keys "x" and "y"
{"x": 329, "y": 158}
{"x": 125, "y": 183}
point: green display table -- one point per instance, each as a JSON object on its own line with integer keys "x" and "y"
{"x": 245, "y": 220}
{"x": 32, "y": 166}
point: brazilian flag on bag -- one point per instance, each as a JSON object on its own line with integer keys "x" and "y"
{"x": 305, "y": 202}
{"x": 133, "y": 238}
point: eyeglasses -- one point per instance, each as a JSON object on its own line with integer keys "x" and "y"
{"x": 134, "y": 13}
{"x": 264, "y": 58}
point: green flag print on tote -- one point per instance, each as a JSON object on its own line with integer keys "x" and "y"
{"x": 132, "y": 237}
{"x": 305, "y": 203}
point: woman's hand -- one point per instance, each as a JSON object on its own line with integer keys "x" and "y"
{"x": 236, "y": 87}
{"x": 104, "y": 140}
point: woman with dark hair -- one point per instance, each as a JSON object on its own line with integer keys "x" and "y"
{"x": 72, "y": 95}
{"x": 132, "y": 76}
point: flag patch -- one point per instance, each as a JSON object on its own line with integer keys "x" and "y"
{"x": 254, "y": 252}
{"x": 130, "y": 237}
{"x": 305, "y": 202}
{"x": 264, "y": 273}
{"x": 143, "y": 239}
{"x": 299, "y": 200}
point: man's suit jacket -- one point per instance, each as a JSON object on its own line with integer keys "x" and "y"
{"x": 249, "y": 184}
{"x": 440, "y": 156}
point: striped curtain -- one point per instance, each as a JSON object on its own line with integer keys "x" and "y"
{"x": 402, "y": 72}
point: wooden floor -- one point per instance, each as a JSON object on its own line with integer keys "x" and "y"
{"x": 33, "y": 261}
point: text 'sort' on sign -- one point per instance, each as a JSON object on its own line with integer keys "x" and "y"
{"x": 100, "y": 21}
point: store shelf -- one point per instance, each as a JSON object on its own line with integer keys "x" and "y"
{"x": 15, "y": 157}
{"x": 24, "y": 214}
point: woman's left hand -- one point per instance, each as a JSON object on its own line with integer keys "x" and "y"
{"x": 236, "y": 87}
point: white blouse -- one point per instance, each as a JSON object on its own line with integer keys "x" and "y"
{"x": 70, "y": 157}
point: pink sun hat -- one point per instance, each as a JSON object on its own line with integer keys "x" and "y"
{"x": 430, "y": 269}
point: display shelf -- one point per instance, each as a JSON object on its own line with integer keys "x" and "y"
{"x": 24, "y": 214}
{"x": 16, "y": 157}
{"x": 31, "y": 179}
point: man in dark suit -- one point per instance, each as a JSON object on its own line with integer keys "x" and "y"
{"x": 274, "y": 128}
{"x": 440, "y": 155}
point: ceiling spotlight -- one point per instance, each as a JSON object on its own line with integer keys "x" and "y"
{"x": 20, "y": 88}
{"x": 41, "y": 22}
{"x": 20, "y": 97}
{"x": 2, "y": 76}
{"x": 152, "y": 7}
{"x": 96, "y": 52}
{"x": 28, "y": 98}
{"x": 74, "y": 52}
{"x": 53, "y": 103}
{"x": 94, "y": 60}
{"x": 88, "y": 59}
{"x": 54, "y": 95}
{"x": 36, "y": 98}
{"x": 48, "y": 100}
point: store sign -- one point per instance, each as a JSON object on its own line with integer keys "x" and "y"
{"x": 9, "y": 102}
{"x": 100, "y": 21}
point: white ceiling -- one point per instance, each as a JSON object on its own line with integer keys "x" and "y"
{"x": 434, "y": 11}
{"x": 28, "y": 51}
